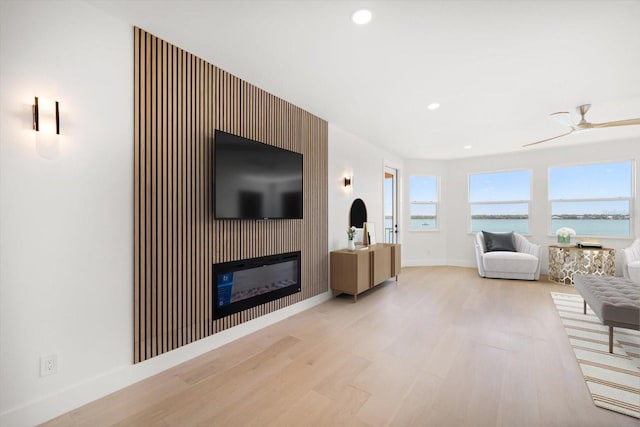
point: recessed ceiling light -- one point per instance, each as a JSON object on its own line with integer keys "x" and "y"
{"x": 361, "y": 17}
{"x": 467, "y": 147}
{"x": 433, "y": 106}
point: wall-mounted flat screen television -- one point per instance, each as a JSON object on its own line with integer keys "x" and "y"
{"x": 255, "y": 180}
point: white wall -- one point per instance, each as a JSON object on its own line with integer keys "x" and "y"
{"x": 65, "y": 235}
{"x": 350, "y": 155}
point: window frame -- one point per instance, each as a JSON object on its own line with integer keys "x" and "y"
{"x": 502, "y": 202}
{"x": 630, "y": 199}
{"x": 435, "y": 202}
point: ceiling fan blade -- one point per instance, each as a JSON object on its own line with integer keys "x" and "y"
{"x": 549, "y": 139}
{"x": 563, "y": 118}
{"x": 628, "y": 122}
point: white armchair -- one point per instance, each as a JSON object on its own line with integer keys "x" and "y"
{"x": 631, "y": 261}
{"x": 523, "y": 264}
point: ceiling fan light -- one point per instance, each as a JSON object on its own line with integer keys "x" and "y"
{"x": 583, "y": 130}
{"x": 361, "y": 17}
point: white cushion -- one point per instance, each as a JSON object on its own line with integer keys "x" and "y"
{"x": 516, "y": 262}
{"x": 634, "y": 271}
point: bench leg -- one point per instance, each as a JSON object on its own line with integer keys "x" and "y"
{"x": 610, "y": 339}
{"x": 584, "y": 307}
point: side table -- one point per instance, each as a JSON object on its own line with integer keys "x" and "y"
{"x": 565, "y": 261}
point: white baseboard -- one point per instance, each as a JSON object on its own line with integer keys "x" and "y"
{"x": 51, "y": 406}
{"x": 432, "y": 262}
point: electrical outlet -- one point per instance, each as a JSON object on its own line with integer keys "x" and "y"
{"x": 48, "y": 365}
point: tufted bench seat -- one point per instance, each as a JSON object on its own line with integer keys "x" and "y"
{"x": 615, "y": 300}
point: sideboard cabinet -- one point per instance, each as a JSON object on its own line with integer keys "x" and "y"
{"x": 356, "y": 271}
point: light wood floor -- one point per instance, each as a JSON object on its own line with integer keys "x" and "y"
{"x": 443, "y": 347}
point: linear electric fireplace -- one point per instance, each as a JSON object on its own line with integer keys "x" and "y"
{"x": 247, "y": 283}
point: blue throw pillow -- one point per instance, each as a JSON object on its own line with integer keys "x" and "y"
{"x": 499, "y": 242}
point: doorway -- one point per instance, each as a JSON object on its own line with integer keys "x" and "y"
{"x": 390, "y": 205}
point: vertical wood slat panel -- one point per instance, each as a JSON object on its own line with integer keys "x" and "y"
{"x": 137, "y": 262}
{"x": 147, "y": 192}
{"x": 179, "y": 100}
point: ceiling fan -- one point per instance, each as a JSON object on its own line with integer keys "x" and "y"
{"x": 583, "y": 125}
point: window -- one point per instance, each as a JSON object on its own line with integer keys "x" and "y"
{"x": 594, "y": 200}
{"x": 499, "y": 201}
{"x": 423, "y": 202}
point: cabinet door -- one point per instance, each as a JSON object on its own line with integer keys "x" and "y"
{"x": 380, "y": 264}
{"x": 350, "y": 271}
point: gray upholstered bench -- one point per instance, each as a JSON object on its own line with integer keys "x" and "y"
{"x": 615, "y": 300}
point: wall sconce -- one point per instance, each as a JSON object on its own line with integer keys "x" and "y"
{"x": 46, "y": 116}
{"x": 46, "y": 123}
{"x": 348, "y": 181}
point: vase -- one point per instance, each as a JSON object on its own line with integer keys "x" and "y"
{"x": 351, "y": 245}
{"x": 564, "y": 239}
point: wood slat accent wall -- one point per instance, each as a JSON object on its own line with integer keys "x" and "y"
{"x": 179, "y": 101}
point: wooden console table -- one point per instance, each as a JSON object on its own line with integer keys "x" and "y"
{"x": 356, "y": 271}
{"x": 565, "y": 261}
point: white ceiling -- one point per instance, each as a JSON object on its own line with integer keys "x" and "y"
{"x": 498, "y": 68}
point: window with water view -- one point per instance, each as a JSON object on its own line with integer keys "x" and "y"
{"x": 423, "y": 206}
{"x": 499, "y": 201}
{"x": 594, "y": 200}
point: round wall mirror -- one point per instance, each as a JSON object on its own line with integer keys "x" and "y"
{"x": 358, "y": 214}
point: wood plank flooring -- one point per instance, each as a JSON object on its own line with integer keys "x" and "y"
{"x": 442, "y": 347}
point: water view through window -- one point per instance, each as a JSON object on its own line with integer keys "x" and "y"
{"x": 423, "y": 207}
{"x": 594, "y": 200}
{"x": 500, "y": 201}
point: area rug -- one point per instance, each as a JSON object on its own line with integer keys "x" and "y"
{"x": 612, "y": 379}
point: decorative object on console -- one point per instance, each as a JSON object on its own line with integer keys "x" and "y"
{"x": 564, "y": 234}
{"x": 358, "y": 214}
{"x": 357, "y": 218}
{"x": 369, "y": 233}
{"x": 351, "y": 232}
{"x": 358, "y": 237}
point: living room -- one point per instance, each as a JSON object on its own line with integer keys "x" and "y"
{"x": 67, "y": 211}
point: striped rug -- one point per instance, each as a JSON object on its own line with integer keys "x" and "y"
{"x": 612, "y": 379}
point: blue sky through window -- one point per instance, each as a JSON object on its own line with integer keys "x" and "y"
{"x": 423, "y": 189}
{"x": 499, "y": 186}
{"x": 598, "y": 181}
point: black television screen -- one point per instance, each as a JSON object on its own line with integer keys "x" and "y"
{"x": 255, "y": 180}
